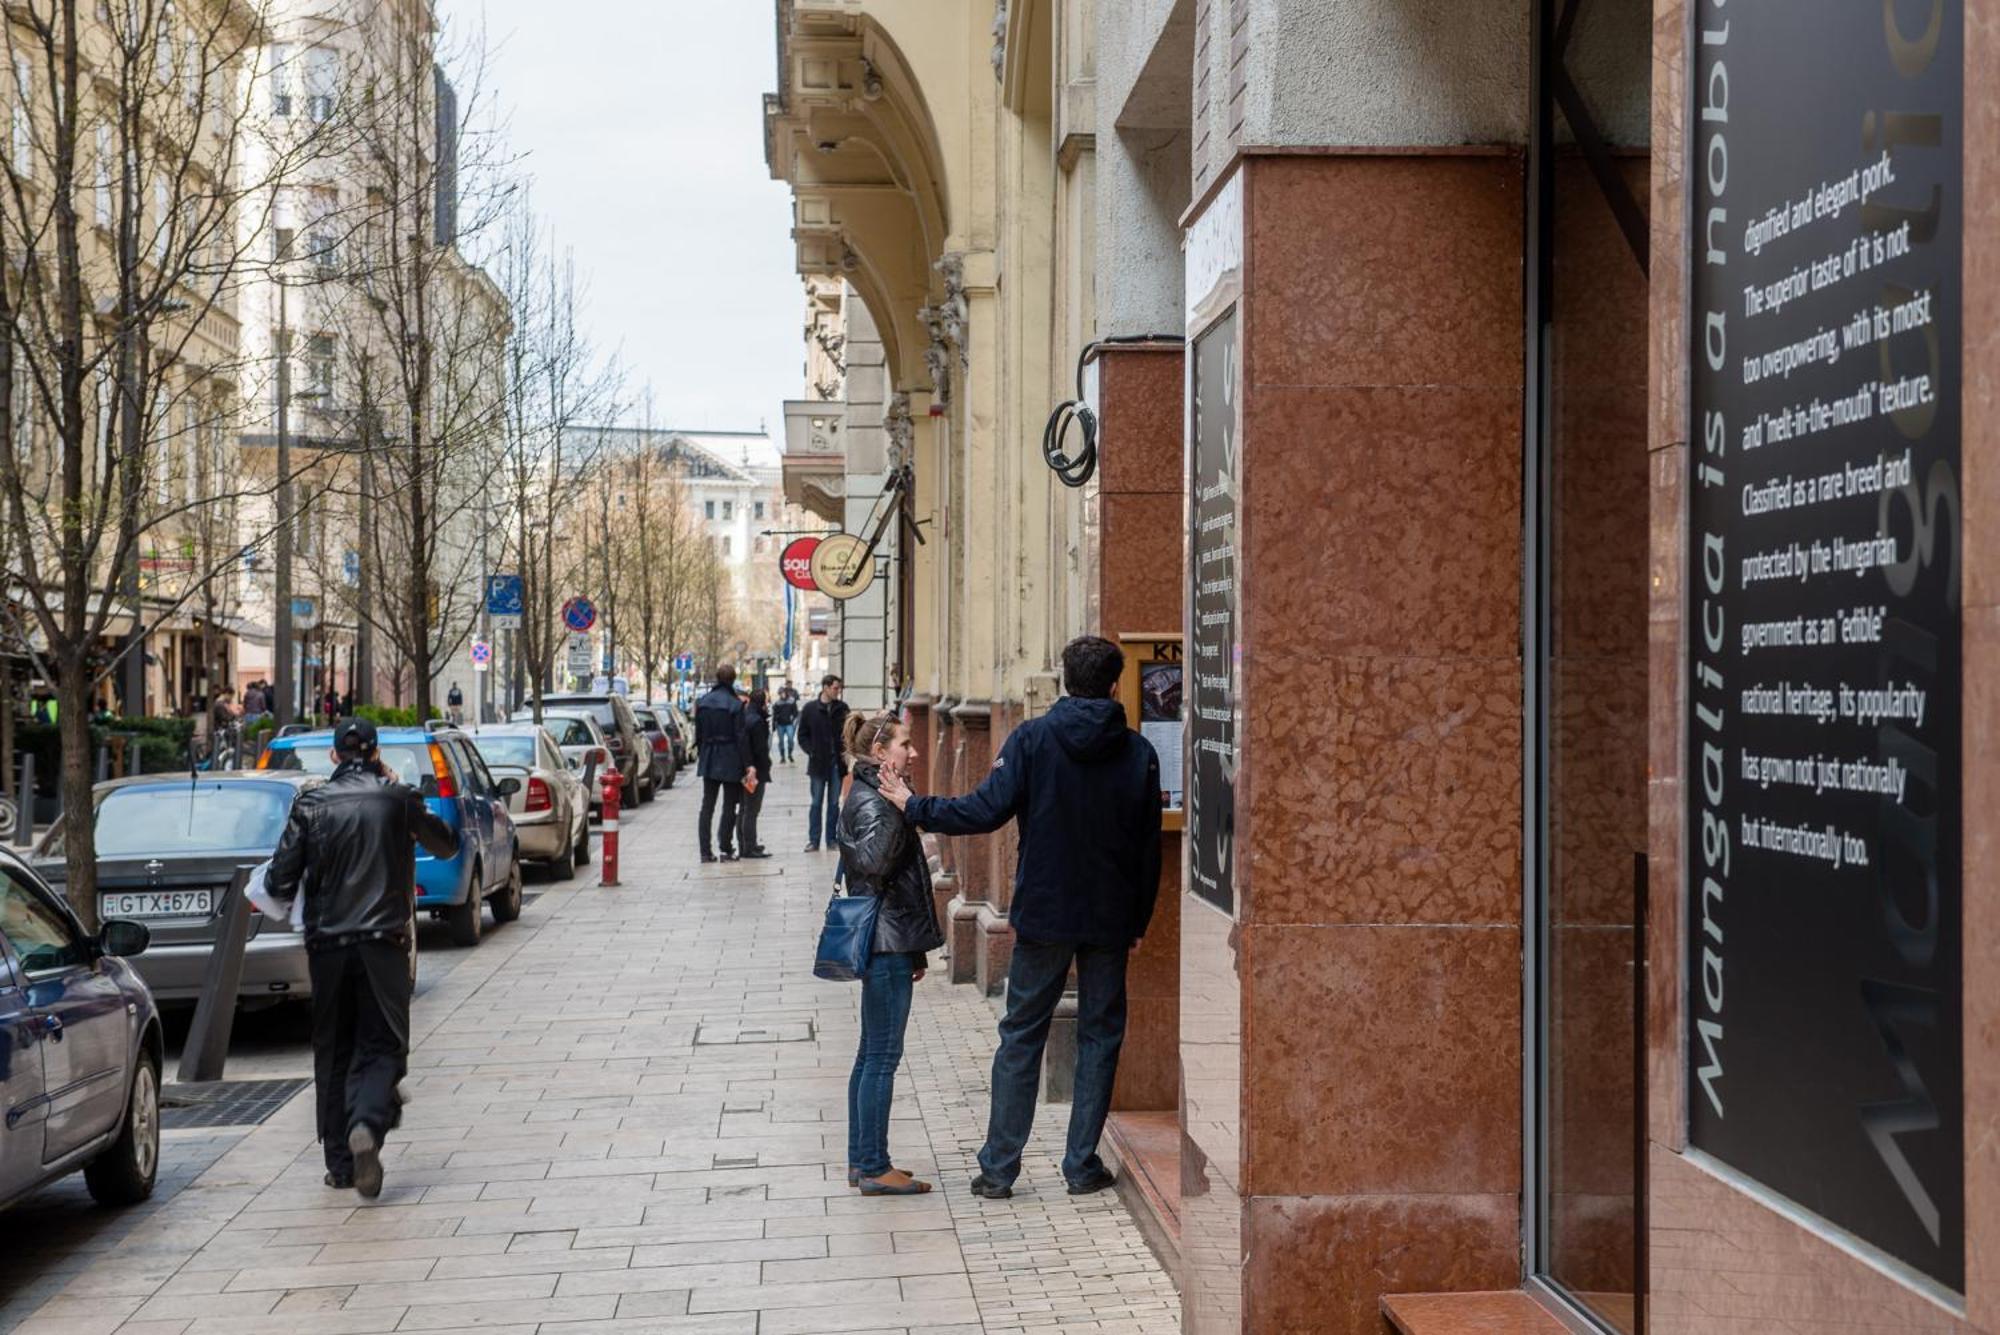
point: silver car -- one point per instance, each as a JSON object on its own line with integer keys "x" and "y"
{"x": 168, "y": 848}
{"x": 550, "y": 809}
{"x": 582, "y": 742}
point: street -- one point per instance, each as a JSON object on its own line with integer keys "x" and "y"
{"x": 628, "y": 1115}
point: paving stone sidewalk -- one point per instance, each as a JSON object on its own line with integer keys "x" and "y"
{"x": 630, "y": 1116}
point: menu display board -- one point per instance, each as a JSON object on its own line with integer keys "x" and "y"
{"x": 1822, "y": 771}
{"x": 1215, "y": 653}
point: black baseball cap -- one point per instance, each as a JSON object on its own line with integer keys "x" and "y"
{"x": 354, "y": 737}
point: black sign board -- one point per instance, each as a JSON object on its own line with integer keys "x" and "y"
{"x": 1823, "y": 847}
{"x": 1215, "y": 653}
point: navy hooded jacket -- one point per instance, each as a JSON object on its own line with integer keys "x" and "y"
{"x": 1085, "y": 790}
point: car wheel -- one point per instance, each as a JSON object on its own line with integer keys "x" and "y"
{"x": 648, "y": 790}
{"x": 507, "y": 904}
{"x": 124, "y": 1174}
{"x": 583, "y": 844}
{"x": 468, "y": 920}
{"x": 564, "y": 865}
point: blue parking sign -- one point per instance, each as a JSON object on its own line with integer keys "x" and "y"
{"x": 504, "y": 595}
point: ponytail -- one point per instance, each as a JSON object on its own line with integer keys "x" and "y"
{"x": 864, "y": 732}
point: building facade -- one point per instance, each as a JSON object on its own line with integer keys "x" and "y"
{"x": 1553, "y": 434}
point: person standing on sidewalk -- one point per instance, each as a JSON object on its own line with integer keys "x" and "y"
{"x": 350, "y": 848}
{"x": 785, "y": 720}
{"x": 882, "y": 856}
{"x": 822, "y": 724}
{"x": 757, "y": 780}
{"x": 722, "y": 737}
{"x": 1085, "y": 791}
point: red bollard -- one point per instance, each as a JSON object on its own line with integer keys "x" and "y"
{"x": 608, "y": 856}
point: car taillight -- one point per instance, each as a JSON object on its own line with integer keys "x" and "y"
{"x": 538, "y": 796}
{"x": 264, "y": 761}
{"x": 442, "y": 768}
{"x": 659, "y": 743}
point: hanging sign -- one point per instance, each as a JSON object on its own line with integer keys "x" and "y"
{"x": 1822, "y": 900}
{"x": 505, "y": 599}
{"x": 842, "y": 566}
{"x": 797, "y": 563}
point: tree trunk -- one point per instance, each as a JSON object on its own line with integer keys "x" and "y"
{"x": 79, "y": 816}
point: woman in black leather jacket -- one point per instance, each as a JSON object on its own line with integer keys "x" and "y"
{"x": 882, "y": 856}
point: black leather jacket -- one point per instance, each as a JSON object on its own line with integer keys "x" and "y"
{"x": 883, "y": 856}
{"x": 350, "y": 848}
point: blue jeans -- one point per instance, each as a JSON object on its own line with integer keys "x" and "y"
{"x": 825, "y": 798}
{"x": 1035, "y": 981}
{"x": 885, "y": 1013}
{"x": 786, "y": 732}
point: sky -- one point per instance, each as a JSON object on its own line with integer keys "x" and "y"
{"x": 640, "y": 125}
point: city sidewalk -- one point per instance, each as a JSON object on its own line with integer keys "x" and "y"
{"x": 629, "y": 1116}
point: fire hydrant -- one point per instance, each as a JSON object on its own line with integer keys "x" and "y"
{"x": 608, "y": 858}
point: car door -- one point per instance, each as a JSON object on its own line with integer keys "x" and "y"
{"x": 483, "y": 820}
{"x": 85, "y": 1018}
{"x": 22, "y": 1105}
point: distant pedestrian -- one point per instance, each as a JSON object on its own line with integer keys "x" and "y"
{"x": 882, "y": 856}
{"x": 722, "y": 739}
{"x": 350, "y": 848}
{"x": 329, "y": 704}
{"x": 758, "y": 739}
{"x": 253, "y": 700}
{"x": 454, "y": 704}
{"x": 822, "y": 724}
{"x": 785, "y": 721}
{"x": 1085, "y": 791}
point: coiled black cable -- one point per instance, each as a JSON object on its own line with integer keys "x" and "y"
{"x": 1075, "y": 470}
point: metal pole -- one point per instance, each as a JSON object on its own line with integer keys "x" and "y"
{"x": 134, "y": 667}
{"x": 24, "y": 823}
{"x": 215, "y": 1013}
{"x": 282, "y": 687}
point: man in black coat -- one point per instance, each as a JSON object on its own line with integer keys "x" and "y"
{"x": 820, "y": 725}
{"x": 759, "y": 757}
{"x": 1085, "y": 790}
{"x": 722, "y": 738}
{"x": 350, "y": 848}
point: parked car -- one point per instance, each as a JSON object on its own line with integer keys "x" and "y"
{"x": 629, "y": 748}
{"x": 551, "y": 811}
{"x": 582, "y": 743}
{"x": 167, "y": 853}
{"x": 80, "y": 1048}
{"x": 679, "y": 728}
{"x": 439, "y": 761}
{"x": 666, "y": 765}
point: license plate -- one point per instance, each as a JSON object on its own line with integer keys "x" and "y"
{"x": 156, "y": 904}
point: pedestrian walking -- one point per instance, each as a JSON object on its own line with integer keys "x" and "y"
{"x": 350, "y": 848}
{"x": 757, "y": 781}
{"x": 253, "y": 700}
{"x": 822, "y": 724}
{"x": 785, "y": 721}
{"x": 721, "y": 736}
{"x": 882, "y": 856}
{"x": 454, "y": 704}
{"x": 1084, "y": 791}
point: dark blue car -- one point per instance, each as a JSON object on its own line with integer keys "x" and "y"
{"x": 80, "y": 1049}
{"x": 442, "y": 764}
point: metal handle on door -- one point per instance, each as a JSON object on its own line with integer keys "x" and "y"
{"x": 52, "y": 1025}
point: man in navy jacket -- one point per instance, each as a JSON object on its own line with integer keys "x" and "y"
{"x": 1085, "y": 790}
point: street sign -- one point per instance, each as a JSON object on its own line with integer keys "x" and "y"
{"x": 482, "y": 655}
{"x": 505, "y": 598}
{"x": 796, "y": 564}
{"x": 581, "y": 660}
{"x": 683, "y": 662}
{"x": 305, "y": 614}
{"x": 579, "y": 614}
{"x": 843, "y": 567}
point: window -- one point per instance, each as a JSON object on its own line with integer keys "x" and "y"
{"x": 163, "y": 43}
{"x": 194, "y": 433}
{"x": 322, "y": 80}
{"x": 191, "y": 70}
{"x": 24, "y": 415}
{"x": 106, "y": 169}
{"x": 709, "y": 508}
{"x": 725, "y": 544}
{"x": 41, "y": 938}
{"x": 758, "y": 511}
{"x": 283, "y": 242}
{"x": 24, "y": 137}
{"x": 729, "y": 510}
{"x": 281, "y": 81}
{"x": 322, "y": 240}
{"x": 163, "y": 220}
{"x": 319, "y": 367}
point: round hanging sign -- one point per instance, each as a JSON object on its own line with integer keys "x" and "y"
{"x": 797, "y": 563}
{"x": 843, "y": 567}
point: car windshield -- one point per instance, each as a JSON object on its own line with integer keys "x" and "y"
{"x": 407, "y": 763}
{"x": 507, "y": 748}
{"x": 191, "y": 818}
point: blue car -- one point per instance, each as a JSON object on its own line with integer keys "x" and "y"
{"x": 80, "y": 1049}
{"x": 442, "y": 764}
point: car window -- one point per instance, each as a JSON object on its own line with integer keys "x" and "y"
{"x": 180, "y": 817}
{"x": 603, "y": 711}
{"x": 407, "y": 762}
{"x": 40, "y": 937}
{"x": 517, "y": 748}
{"x": 570, "y": 731}
{"x": 482, "y": 778}
{"x": 551, "y": 758}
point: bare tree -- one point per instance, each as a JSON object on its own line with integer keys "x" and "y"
{"x": 126, "y": 208}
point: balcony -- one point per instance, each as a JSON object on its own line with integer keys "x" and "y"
{"x": 815, "y": 459}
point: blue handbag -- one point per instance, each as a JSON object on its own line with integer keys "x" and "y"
{"x": 848, "y": 939}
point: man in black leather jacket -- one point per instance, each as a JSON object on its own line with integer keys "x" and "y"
{"x": 350, "y": 849}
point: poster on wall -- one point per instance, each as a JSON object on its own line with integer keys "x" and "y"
{"x": 1822, "y": 775}
{"x": 1214, "y": 655}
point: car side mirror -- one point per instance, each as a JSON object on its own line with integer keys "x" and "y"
{"x": 509, "y": 787}
{"x": 124, "y": 939}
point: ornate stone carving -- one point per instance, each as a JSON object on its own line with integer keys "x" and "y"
{"x": 897, "y": 423}
{"x": 999, "y": 38}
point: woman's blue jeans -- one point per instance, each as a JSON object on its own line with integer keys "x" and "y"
{"x": 885, "y": 1012}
